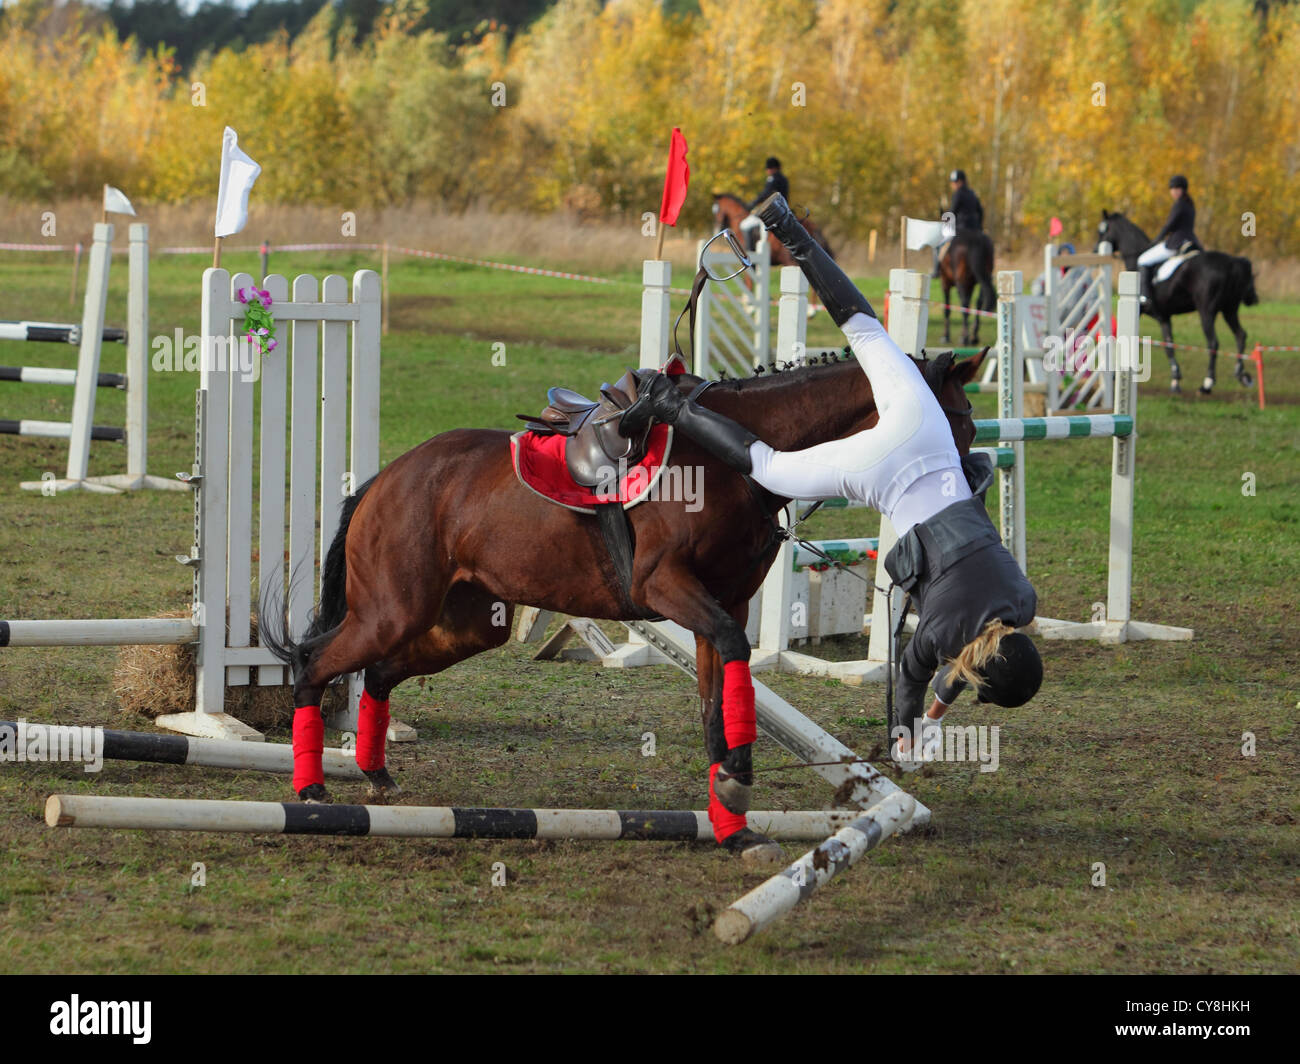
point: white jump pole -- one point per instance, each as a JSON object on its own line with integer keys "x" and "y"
{"x": 1011, "y": 406}
{"x": 176, "y": 749}
{"x": 1125, "y": 352}
{"x": 92, "y": 330}
{"x": 429, "y": 822}
{"x": 778, "y": 895}
{"x": 139, "y": 631}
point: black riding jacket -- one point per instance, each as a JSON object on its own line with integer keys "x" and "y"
{"x": 1180, "y": 226}
{"x": 775, "y": 183}
{"x": 967, "y": 209}
{"x": 960, "y": 577}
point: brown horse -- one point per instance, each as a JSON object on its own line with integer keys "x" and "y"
{"x": 729, "y": 211}
{"x": 433, "y": 552}
{"x": 967, "y": 262}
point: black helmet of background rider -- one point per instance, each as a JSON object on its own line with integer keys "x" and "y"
{"x": 1178, "y": 181}
{"x": 957, "y": 176}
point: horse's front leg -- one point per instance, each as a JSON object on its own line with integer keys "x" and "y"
{"x": 947, "y": 314}
{"x": 727, "y": 690}
{"x": 1212, "y": 342}
{"x": 966, "y": 294}
{"x": 1175, "y": 370}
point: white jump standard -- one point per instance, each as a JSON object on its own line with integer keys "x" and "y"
{"x": 425, "y": 822}
{"x": 90, "y": 337}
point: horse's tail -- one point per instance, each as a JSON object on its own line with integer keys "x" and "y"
{"x": 1245, "y": 275}
{"x": 333, "y": 605}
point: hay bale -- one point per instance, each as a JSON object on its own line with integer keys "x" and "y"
{"x": 155, "y": 680}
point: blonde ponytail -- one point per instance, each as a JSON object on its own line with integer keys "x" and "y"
{"x": 977, "y": 653}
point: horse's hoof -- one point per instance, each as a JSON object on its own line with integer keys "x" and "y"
{"x": 382, "y": 785}
{"x": 1245, "y": 379}
{"x": 315, "y": 793}
{"x": 1207, "y": 386}
{"x": 1175, "y": 388}
{"x": 734, "y": 781}
{"x": 732, "y": 793}
{"x": 753, "y": 849}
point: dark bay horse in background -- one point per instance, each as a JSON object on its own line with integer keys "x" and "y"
{"x": 967, "y": 262}
{"x": 433, "y": 553}
{"x": 729, "y": 211}
{"x": 1209, "y": 283}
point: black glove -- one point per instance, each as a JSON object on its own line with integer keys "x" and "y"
{"x": 659, "y": 400}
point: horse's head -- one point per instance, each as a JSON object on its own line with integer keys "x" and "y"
{"x": 948, "y": 379}
{"x": 728, "y": 211}
{"x": 1122, "y": 235}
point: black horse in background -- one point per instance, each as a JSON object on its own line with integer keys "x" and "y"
{"x": 967, "y": 262}
{"x": 1210, "y": 283}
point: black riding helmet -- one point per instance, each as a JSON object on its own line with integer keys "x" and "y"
{"x": 1178, "y": 181}
{"x": 957, "y": 175}
{"x": 773, "y": 163}
{"x": 1012, "y": 677}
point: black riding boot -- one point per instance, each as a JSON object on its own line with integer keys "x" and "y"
{"x": 661, "y": 400}
{"x": 1146, "y": 273}
{"x": 839, "y": 295}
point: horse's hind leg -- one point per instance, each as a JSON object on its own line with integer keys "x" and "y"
{"x": 1239, "y": 334}
{"x": 471, "y": 621}
{"x": 947, "y": 313}
{"x": 385, "y": 611}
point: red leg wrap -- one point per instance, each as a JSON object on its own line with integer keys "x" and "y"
{"x": 724, "y": 823}
{"x": 308, "y": 746}
{"x": 372, "y": 730}
{"x": 738, "y": 721}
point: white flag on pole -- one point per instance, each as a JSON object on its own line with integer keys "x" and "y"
{"x": 238, "y": 172}
{"x": 115, "y": 201}
{"x": 923, "y": 234}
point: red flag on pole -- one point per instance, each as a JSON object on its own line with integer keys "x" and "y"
{"x": 1055, "y": 228}
{"x": 675, "y": 181}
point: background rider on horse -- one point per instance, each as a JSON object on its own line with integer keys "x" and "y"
{"x": 1174, "y": 235}
{"x": 776, "y": 182}
{"x": 967, "y": 210}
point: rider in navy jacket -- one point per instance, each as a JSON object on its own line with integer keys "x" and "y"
{"x": 966, "y": 206}
{"x": 776, "y": 182}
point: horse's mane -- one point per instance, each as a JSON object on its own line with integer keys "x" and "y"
{"x": 787, "y": 373}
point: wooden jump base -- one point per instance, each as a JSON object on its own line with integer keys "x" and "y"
{"x": 778, "y": 895}
{"x": 422, "y": 822}
{"x": 180, "y": 750}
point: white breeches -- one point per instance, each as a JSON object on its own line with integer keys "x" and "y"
{"x": 1155, "y": 255}
{"x": 906, "y": 466}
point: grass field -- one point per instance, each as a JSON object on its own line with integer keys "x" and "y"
{"x": 1130, "y": 756}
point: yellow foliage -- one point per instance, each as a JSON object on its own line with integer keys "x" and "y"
{"x": 1052, "y": 110}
